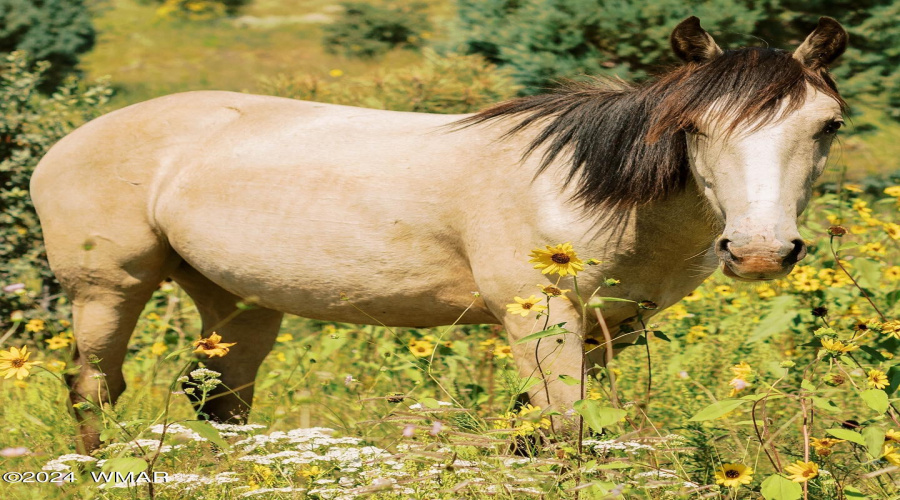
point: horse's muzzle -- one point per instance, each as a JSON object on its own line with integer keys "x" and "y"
{"x": 758, "y": 260}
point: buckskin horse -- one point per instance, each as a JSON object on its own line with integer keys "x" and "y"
{"x": 294, "y": 203}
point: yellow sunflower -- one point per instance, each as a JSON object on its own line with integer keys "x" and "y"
{"x": 838, "y": 347}
{"x": 551, "y": 290}
{"x": 734, "y": 475}
{"x": 15, "y": 363}
{"x": 559, "y": 259}
{"x": 525, "y": 306}
{"x": 212, "y": 346}
{"x": 58, "y": 342}
{"x": 801, "y": 472}
{"x": 421, "y": 348}
{"x": 502, "y": 352}
{"x": 877, "y": 379}
{"x": 891, "y": 454}
{"x": 823, "y": 446}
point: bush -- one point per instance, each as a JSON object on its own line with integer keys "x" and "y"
{"x": 445, "y": 84}
{"x": 57, "y": 31}
{"x": 366, "y": 30}
{"x": 29, "y": 124}
{"x": 546, "y": 40}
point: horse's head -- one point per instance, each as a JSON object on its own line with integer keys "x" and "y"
{"x": 759, "y": 124}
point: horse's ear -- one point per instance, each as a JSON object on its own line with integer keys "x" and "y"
{"x": 692, "y": 43}
{"x": 823, "y": 45}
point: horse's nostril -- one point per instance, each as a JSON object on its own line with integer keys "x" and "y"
{"x": 724, "y": 251}
{"x": 797, "y": 253}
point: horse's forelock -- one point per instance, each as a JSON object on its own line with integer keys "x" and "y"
{"x": 627, "y": 143}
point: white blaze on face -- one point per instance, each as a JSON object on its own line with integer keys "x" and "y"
{"x": 759, "y": 178}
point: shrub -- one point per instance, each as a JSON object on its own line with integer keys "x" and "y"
{"x": 57, "y": 31}
{"x": 366, "y": 30}
{"x": 446, "y": 84}
{"x": 29, "y": 124}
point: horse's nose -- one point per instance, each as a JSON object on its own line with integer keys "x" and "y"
{"x": 755, "y": 259}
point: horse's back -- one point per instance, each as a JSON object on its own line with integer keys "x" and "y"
{"x": 290, "y": 201}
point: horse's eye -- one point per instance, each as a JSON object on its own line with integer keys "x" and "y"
{"x": 832, "y": 127}
{"x": 692, "y": 129}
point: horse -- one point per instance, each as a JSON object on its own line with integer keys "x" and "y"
{"x": 377, "y": 217}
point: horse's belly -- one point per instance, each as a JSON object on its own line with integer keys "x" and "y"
{"x": 325, "y": 256}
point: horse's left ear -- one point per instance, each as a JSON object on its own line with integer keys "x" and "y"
{"x": 691, "y": 43}
{"x": 825, "y": 44}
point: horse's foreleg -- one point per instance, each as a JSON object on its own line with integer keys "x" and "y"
{"x": 253, "y": 331}
{"x": 555, "y": 361}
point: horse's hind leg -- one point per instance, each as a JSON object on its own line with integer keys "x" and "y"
{"x": 108, "y": 283}
{"x": 254, "y": 332}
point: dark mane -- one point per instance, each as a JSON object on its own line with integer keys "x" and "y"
{"x": 627, "y": 143}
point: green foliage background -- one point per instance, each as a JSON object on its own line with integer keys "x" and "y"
{"x": 546, "y": 40}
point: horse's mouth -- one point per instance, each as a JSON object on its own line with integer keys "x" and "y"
{"x": 729, "y": 271}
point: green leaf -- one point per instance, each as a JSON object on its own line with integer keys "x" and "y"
{"x": 807, "y": 385}
{"x": 824, "y": 404}
{"x": 847, "y": 435}
{"x": 874, "y": 438}
{"x": 208, "y": 432}
{"x": 778, "y": 487}
{"x": 125, "y": 465}
{"x": 893, "y": 374}
{"x": 597, "y": 302}
{"x": 891, "y": 298}
{"x": 527, "y": 383}
{"x": 779, "y": 319}
{"x": 876, "y": 399}
{"x": 660, "y": 335}
{"x": 851, "y": 493}
{"x": 569, "y": 380}
{"x": 869, "y": 272}
{"x": 549, "y": 332}
{"x": 718, "y": 409}
{"x": 597, "y": 416}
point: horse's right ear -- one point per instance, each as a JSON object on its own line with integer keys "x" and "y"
{"x": 825, "y": 44}
{"x": 691, "y": 43}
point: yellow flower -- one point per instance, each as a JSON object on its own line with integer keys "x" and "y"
{"x": 891, "y": 328}
{"x": 695, "y": 334}
{"x": 311, "y": 471}
{"x": 502, "y": 352}
{"x": 891, "y": 454}
{"x": 34, "y": 325}
{"x": 801, "y": 471}
{"x": 559, "y": 259}
{"x": 893, "y": 230}
{"x": 877, "y": 379}
{"x": 765, "y": 291}
{"x": 212, "y": 346}
{"x": 58, "y": 342}
{"x": 153, "y": 316}
{"x": 488, "y": 345}
{"x": 861, "y": 206}
{"x": 158, "y": 348}
{"x": 823, "y": 446}
{"x": 284, "y": 337}
{"x": 734, "y": 475}
{"x": 892, "y": 191}
{"x": 336, "y": 73}
{"x": 892, "y": 273}
{"x": 853, "y": 188}
{"x": 742, "y": 370}
{"x": 723, "y": 289}
{"x": 525, "y": 306}
{"x": 16, "y": 363}
{"x": 874, "y": 249}
{"x": 836, "y": 346}
{"x": 892, "y": 435}
{"x": 693, "y": 296}
{"x": 421, "y": 348}
{"x": 678, "y": 312}
{"x": 551, "y": 290}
